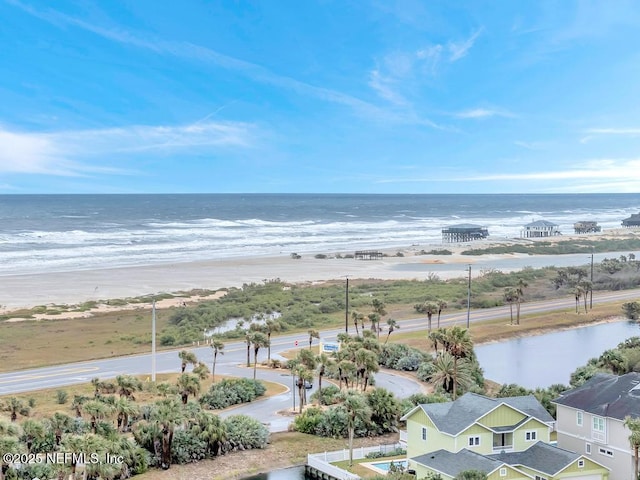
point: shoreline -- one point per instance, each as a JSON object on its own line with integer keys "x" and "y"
{"x": 24, "y": 291}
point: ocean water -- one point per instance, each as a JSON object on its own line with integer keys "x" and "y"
{"x": 56, "y": 233}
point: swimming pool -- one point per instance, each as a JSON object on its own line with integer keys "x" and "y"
{"x": 384, "y": 467}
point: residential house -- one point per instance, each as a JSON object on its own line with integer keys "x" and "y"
{"x": 591, "y": 420}
{"x": 540, "y": 229}
{"x": 507, "y": 438}
{"x": 632, "y": 221}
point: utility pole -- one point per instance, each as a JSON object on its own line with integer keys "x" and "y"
{"x": 153, "y": 341}
{"x": 469, "y": 298}
{"x": 346, "y": 308}
{"x": 591, "y": 286}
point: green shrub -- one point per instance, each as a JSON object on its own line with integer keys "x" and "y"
{"x": 187, "y": 447}
{"x": 244, "y": 433}
{"x": 62, "y": 396}
{"x": 231, "y": 392}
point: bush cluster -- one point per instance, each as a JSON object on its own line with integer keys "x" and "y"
{"x": 231, "y": 392}
{"x": 399, "y": 356}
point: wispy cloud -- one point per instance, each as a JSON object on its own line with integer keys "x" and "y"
{"x": 589, "y": 176}
{"x": 483, "y": 113}
{"x": 383, "y": 86}
{"x": 458, "y": 50}
{"x": 193, "y": 52}
{"x": 613, "y": 131}
{"x": 71, "y": 153}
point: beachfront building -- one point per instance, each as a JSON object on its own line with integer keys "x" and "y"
{"x": 464, "y": 232}
{"x": 506, "y": 438}
{"x": 632, "y": 221}
{"x": 540, "y": 229}
{"x": 586, "y": 226}
{"x": 591, "y": 420}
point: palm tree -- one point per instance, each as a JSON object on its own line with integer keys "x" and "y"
{"x": 441, "y": 306}
{"x": 357, "y": 409}
{"x": 97, "y": 410}
{"x": 393, "y": 324}
{"x": 124, "y": 409}
{"x": 32, "y": 430}
{"x": 187, "y": 357}
{"x": 15, "y": 406}
{"x": 430, "y": 308}
{"x": 313, "y": 334}
{"x": 127, "y": 384}
{"x": 509, "y": 297}
{"x": 9, "y": 443}
{"x": 167, "y": 415}
{"x": 258, "y": 340}
{"x": 379, "y": 308}
{"x": 586, "y": 286}
{"x": 59, "y": 423}
{"x": 458, "y": 344}
{"x": 271, "y": 326}
{"x": 201, "y": 371}
{"x": 211, "y": 430}
{"x": 218, "y": 348}
{"x": 357, "y": 317}
{"x": 303, "y": 375}
{"x": 436, "y": 337}
{"x": 520, "y": 298}
{"x": 374, "y": 318}
{"x": 633, "y": 424}
{"x": 450, "y": 374}
{"x": 577, "y": 292}
{"x": 188, "y": 384}
{"x": 323, "y": 362}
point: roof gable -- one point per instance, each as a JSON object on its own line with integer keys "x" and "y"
{"x": 452, "y": 464}
{"x": 455, "y": 417}
{"x": 541, "y": 457}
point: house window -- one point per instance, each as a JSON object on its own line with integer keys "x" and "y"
{"x": 598, "y": 429}
{"x": 474, "y": 441}
{"x": 503, "y": 472}
{"x": 587, "y": 448}
{"x": 579, "y": 418}
{"x": 424, "y": 433}
{"x": 606, "y": 452}
{"x": 580, "y": 463}
{"x": 531, "y": 436}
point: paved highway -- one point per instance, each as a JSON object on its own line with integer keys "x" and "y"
{"x": 235, "y": 355}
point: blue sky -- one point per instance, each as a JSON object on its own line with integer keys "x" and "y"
{"x": 376, "y": 96}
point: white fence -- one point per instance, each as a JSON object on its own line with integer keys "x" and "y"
{"x": 323, "y": 461}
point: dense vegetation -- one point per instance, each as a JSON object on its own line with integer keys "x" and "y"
{"x": 300, "y": 307}
{"x": 170, "y": 429}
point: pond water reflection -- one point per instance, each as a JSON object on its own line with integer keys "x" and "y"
{"x": 542, "y": 360}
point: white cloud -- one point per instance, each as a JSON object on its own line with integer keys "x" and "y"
{"x": 70, "y": 153}
{"x": 613, "y": 131}
{"x": 458, "y": 50}
{"x": 483, "y": 113}
{"x": 383, "y": 87}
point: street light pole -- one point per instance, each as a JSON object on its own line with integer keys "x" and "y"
{"x": 591, "y": 287}
{"x": 346, "y": 309}
{"x": 153, "y": 341}
{"x": 293, "y": 391}
{"x": 469, "y": 298}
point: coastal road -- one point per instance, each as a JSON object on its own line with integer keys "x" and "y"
{"x": 235, "y": 356}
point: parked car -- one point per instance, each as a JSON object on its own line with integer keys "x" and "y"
{"x": 308, "y": 384}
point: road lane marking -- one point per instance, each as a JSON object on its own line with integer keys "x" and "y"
{"x": 35, "y": 376}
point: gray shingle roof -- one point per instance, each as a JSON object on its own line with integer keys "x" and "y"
{"x": 454, "y": 417}
{"x": 453, "y": 463}
{"x": 540, "y": 456}
{"x": 606, "y": 395}
{"x": 541, "y": 223}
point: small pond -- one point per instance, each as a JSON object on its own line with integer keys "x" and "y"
{"x": 543, "y": 360}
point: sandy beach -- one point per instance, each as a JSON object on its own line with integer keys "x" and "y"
{"x": 69, "y": 288}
